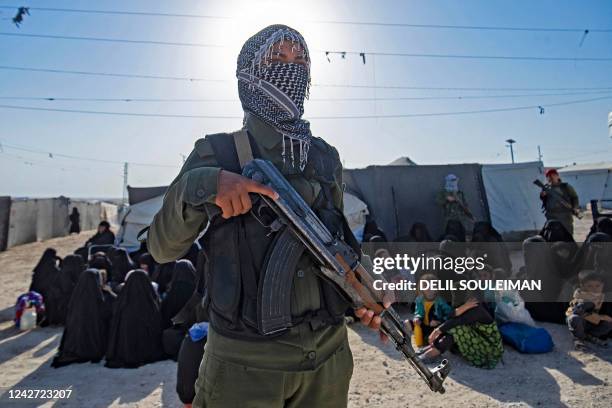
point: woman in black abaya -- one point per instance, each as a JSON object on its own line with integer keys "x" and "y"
{"x": 59, "y": 294}
{"x": 45, "y": 272}
{"x": 135, "y": 334}
{"x": 86, "y": 333}
{"x": 44, "y": 279}
{"x": 182, "y": 287}
{"x": 122, "y": 264}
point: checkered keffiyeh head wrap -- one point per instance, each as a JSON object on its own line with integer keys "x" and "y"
{"x": 275, "y": 92}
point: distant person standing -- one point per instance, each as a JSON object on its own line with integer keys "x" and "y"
{"x": 559, "y": 200}
{"x": 453, "y": 203}
{"x": 75, "y": 221}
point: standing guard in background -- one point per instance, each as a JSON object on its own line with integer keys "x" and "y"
{"x": 453, "y": 202}
{"x": 559, "y": 200}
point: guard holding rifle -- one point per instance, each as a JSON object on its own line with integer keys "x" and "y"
{"x": 559, "y": 200}
{"x": 453, "y": 202}
{"x": 309, "y": 363}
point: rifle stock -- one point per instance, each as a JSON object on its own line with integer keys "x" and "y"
{"x": 338, "y": 264}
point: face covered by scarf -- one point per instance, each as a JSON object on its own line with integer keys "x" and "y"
{"x": 275, "y": 91}
{"x": 451, "y": 183}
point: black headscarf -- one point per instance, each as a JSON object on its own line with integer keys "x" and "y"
{"x": 163, "y": 276}
{"x": 456, "y": 229}
{"x": 122, "y": 264}
{"x": 58, "y": 296}
{"x": 135, "y": 333}
{"x": 72, "y": 266}
{"x": 181, "y": 289}
{"x": 554, "y": 231}
{"x": 100, "y": 261}
{"x": 487, "y": 240}
{"x": 484, "y": 232}
{"x": 420, "y": 233}
{"x": 604, "y": 224}
{"x": 86, "y": 333}
{"x": 45, "y": 272}
{"x": 147, "y": 259}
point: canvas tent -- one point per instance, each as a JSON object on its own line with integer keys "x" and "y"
{"x": 402, "y": 161}
{"x": 398, "y": 196}
{"x": 512, "y": 197}
{"x": 141, "y": 213}
{"x": 591, "y": 182}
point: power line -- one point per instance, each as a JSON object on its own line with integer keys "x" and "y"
{"x": 72, "y": 157}
{"x": 458, "y": 113}
{"x": 315, "y": 84}
{"x": 471, "y": 57}
{"x": 360, "y": 53}
{"x": 338, "y": 99}
{"x": 112, "y": 40}
{"x": 110, "y": 74}
{"x": 410, "y": 115}
{"x": 358, "y": 23}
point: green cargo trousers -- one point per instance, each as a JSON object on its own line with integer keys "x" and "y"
{"x": 228, "y": 385}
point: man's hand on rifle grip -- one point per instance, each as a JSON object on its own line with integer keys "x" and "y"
{"x": 370, "y": 319}
{"x": 233, "y": 193}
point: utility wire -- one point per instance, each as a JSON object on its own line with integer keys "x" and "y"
{"x": 111, "y": 74}
{"x": 360, "y": 53}
{"x": 410, "y": 115}
{"x": 469, "y": 56}
{"x": 315, "y": 84}
{"x": 457, "y": 113}
{"x": 112, "y": 40}
{"x": 357, "y": 23}
{"x": 339, "y": 99}
{"x": 89, "y": 159}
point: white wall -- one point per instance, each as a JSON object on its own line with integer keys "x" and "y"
{"x": 41, "y": 219}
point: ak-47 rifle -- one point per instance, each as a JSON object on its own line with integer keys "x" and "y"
{"x": 300, "y": 229}
{"x": 561, "y": 199}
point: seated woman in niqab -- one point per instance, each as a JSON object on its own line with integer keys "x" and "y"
{"x": 135, "y": 333}
{"x": 85, "y": 336}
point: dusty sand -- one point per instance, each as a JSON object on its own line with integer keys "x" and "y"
{"x": 381, "y": 378}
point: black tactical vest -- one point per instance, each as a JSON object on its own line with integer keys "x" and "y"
{"x": 237, "y": 250}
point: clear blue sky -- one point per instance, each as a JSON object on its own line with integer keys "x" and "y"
{"x": 574, "y": 133}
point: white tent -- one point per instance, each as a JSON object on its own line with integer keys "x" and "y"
{"x": 513, "y": 199}
{"x": 591, "y": 182}
{"x": 355, "y": 211}
{"x": 137, "y": 217}
{"x": 141, "y": 214}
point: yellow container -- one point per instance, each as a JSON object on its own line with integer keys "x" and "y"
{"x": 418, "y": 336}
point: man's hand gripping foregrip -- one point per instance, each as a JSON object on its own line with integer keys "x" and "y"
{"x": 338, "y": 264}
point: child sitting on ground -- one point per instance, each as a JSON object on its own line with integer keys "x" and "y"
{"x": 583, "y": 317}
{"x": 471, "y": 331}
{"x": 430, "y": 309}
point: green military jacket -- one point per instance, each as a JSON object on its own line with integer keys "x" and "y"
{"x": 185, "y": 213}
{"x": 552, "y": 201}
{"x": 452, "y": 210}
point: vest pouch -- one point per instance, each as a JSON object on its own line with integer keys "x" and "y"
{"x": 224, "y": 280}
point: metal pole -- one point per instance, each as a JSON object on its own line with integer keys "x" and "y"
{"x": 125, "y": 182}
{"x": 539, "y": 154}
{"x": 510, "y": 143}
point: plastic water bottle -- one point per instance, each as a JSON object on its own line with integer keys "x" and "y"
{"x": 28, "y": 319}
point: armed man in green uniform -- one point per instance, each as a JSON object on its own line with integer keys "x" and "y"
{"x": 559, "y": 200}
{"x": 453, "y": 202}
{"x": 309, "y": 364}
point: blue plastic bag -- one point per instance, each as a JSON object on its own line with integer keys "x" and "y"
{"x": 526, "y": 339}
{"x": 198, "y": 331}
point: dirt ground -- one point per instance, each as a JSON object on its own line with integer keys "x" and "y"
{"x": 381, "y": 377}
